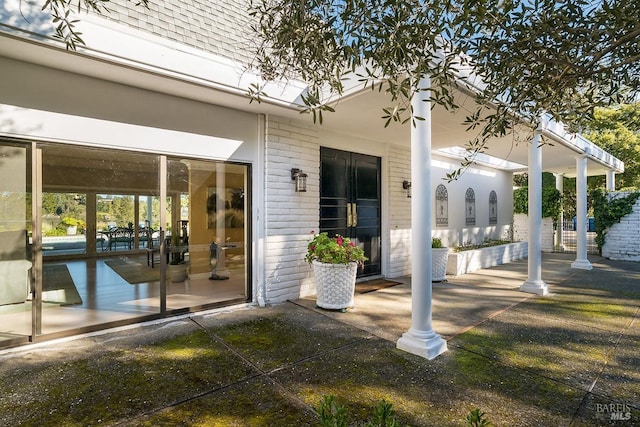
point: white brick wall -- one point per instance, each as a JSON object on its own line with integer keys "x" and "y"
{"x": 521, "y": 231}
{"x": 289, "y": 216}
{"x": 399, "y": 169}
{"x": 622, "y": 241}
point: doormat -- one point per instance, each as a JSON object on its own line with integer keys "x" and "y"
{"x": 58, "y": 286}
{"x": 374, "y": 285}
{"x": 134, "y": 272}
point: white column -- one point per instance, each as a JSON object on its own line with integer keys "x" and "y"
{"x": 421, "y": 339}
{"x": 611, "y": 180}
{"x": 581, "y": 261}
{"x": 534, "y": 283}
{"x": 560, "y": 219}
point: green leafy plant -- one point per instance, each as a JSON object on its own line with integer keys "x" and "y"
{"x": 436, "y": 242}
{"x": 177, "y": 256}
{"x": 333, "y": 250}
{"x": 476, "y": 418}
{"x": 332, "y": 414}
{"x": 608, "y": 211}
{"x": 486, "y": 244}
{"x": 384, "y": 415}
{"x": 551, "y": 201}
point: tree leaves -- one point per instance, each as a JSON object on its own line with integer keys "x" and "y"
{"x": 537, "y": 56}
{"x": 63, "y": 13}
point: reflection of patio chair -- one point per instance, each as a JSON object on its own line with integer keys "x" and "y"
{"x": 151, "y": 248}
{"x": 120, "y": 235}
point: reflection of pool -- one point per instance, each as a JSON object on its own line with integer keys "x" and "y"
{"x": 64, "y": 244}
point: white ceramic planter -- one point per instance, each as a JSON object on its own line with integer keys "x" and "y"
{"x": 335, "y": 284}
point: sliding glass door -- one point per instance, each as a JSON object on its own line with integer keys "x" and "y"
{"x": 119, "y": 237}
{"x": 15, "y": 242}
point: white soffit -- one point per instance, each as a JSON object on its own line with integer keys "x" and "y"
{"x": 458, "y": 152}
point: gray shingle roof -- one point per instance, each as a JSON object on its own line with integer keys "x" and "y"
{"x": 220, "y": 27}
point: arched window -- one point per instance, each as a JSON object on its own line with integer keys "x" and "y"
{"x": 493, "y": 207}
{"x": 470, "y": 207}
{"x": 442, "y": 206}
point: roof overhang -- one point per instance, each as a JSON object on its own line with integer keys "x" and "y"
{"x": 360, "y": 115}
{"x": 119, "y": 54}
{"x": 131, "y": 57}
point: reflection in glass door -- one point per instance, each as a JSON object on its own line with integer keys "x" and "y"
{"x": 129, "y": 238}
{"x": 208, "y": 232}
{"x": 15, "y": 239}
{"x": 64, "y": 223}
{"x": 109, "y": 283}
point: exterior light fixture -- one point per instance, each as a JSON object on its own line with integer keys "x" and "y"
{"x": 300, "y": 179}
{"x": 406, "y": 185}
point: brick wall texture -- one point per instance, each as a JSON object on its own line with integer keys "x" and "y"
{"x": 622, "y": 241}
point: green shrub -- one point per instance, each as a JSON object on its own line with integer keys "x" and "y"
{"x": 332, "y": 414}
{"x": 551, "y": 201}
{"x": 608, "y": 211}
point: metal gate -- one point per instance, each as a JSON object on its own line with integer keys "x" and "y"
{"x": 570, "y": 239}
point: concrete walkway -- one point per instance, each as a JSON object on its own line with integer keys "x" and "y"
{"x": 571, "y": 358}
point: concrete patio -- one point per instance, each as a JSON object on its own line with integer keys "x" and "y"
{"x": 567, "y": 359}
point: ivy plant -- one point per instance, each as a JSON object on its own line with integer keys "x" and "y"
{"x": 609, "y": 209}
{"x": 551, "y": 201}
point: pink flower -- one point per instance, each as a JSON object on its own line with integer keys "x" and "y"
{"x": 339, "y": 241}
{"x": 351, "y": 244}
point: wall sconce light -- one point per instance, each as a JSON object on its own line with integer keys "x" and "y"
{"x": 407, "y": 187}
{"x": 300, "y": 179}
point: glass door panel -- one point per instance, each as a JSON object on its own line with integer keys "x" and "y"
{"x": 115, "y": 222}
{"x": 64, "y": 224}
{"x": 111, "y": 282}
{"x": 15, "y": 242}
{"x": 208, "y": 227}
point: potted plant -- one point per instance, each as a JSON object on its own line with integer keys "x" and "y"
{"x": 335, "y": 262}
{"x": 177, "y": 264}
{"x": 439, "y": 257}
{"x": 72, "y": 225}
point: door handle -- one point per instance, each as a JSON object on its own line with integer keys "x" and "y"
{"x": 349, "y": 216}
{"x": 354, "y": 214}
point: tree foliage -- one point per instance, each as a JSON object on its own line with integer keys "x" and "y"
{"x": 551, "y": 201}
{"x": 64, "y": 14}
{"x": 617, "y": 130}
{"x": 538, "y": 56}
{"x": 559, "y": 57}
{"x": 608, "y": 210}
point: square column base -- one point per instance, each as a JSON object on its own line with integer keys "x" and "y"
{"x": 582, "y": 264}
{"x": 537, "y": 287}
{"x": 424, "y": 344}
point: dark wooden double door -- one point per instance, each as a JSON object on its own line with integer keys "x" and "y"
{"x": 350, "y": 201}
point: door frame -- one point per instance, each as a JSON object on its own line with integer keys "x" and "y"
{"x": 351, "y": 187}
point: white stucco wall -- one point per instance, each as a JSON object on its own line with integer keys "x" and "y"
{"x": 111, "y": 115}
{"x": 622, "y": 241}
{"x": 482, "y": 180}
